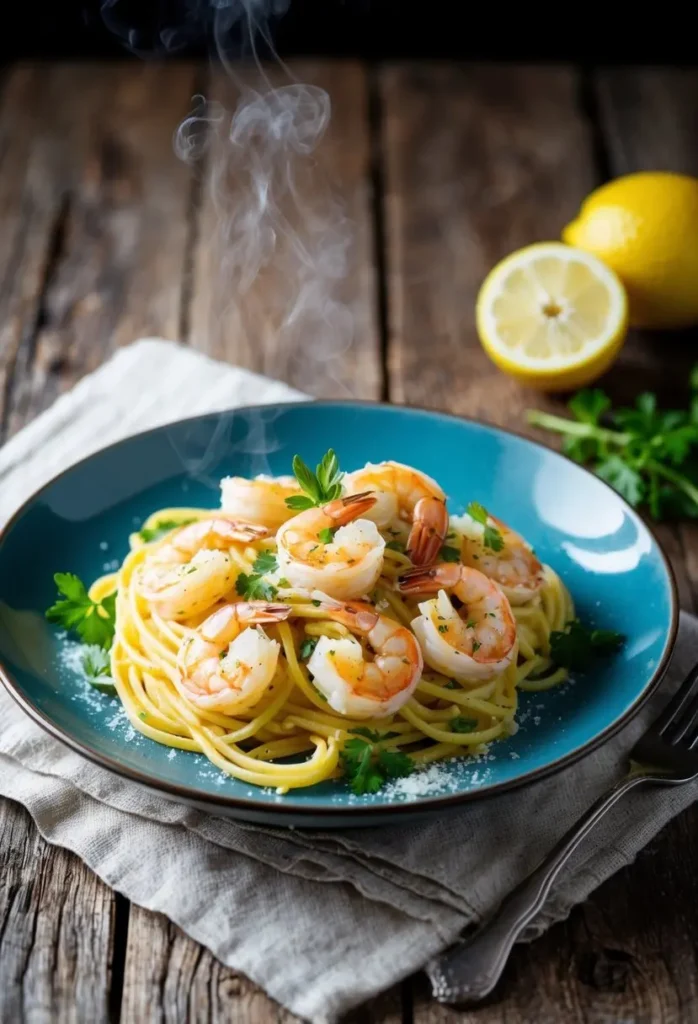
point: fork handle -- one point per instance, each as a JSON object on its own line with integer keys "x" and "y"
{"x": 470, "y": 970}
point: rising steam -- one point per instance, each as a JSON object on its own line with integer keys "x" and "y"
{"x": 280, "y": 241}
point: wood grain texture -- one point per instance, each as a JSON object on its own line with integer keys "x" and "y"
{"x": 169, "y": 978}
{"x": 283, "y": 275}
{"x": 98, "y": 204}
{"x": 650, "y": 122}
{"x": 479, "y": 161}
{"x": 56, "y": 921}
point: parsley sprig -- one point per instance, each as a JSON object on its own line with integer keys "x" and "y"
{"x": 491, "y": 537}
{"x": 93, "y": 621}
{"x": 367, "y": 767}
{"x": 649, "y": 455}
{"x": 576, "y": 647}
{"x": 319, "y": 487}
{"x": 252, "y": 586}
{"x": 96, "y": 664}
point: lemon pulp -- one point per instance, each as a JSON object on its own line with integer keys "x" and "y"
{"x": 552, "y": 316}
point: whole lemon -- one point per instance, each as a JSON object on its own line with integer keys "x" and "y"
{"x": 645, "y": 227}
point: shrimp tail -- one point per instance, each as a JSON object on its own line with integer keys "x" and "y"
{"x": 248, "y": 531}
{"x": 262, "y": 611}
{"x": 225, "y": 623}
{"x": 429, "y": 529}
{"x": 347, "y": 509}
{"x": 429, "y": 579}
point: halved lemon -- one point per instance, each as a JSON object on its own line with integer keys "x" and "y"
{"x": 552, "y": 316}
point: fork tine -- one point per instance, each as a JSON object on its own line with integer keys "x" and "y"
{"x": 683, "y": 723}
{"x": 678, "y": 701}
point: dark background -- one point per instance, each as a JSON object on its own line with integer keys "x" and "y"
{"x": 373, "y": 29}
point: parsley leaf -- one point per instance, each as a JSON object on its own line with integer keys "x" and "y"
{"x": 163, "y": 526}
{"x": 449, "y": 554}
{"x": 626, "y": 480}
{"x": 491, "y": 537}
{"x": 252, "y": 586}
{"x": 265, "y": 562}
{"x": 93, "y": 621}
{"x": 365, "y": 768}
{"x": 325, "y": 536}
{"x": 307, "y": 647}
{"x": 395, "y": 545}
{"x": 589, "y": 405}
{"x": 649, "y": 455}
{"x": 462, "y": 724}
{"x": 577, "y": 646}
{"x": 96, "y": 665}
{"x": 320, "y": 487}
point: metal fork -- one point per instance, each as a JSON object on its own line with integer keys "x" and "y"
{"x": 667, "y": 754}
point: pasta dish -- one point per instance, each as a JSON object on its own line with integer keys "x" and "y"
{"x": 328, "y": 624}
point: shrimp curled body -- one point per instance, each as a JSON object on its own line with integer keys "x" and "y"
{"x": 331, "y": 549}
{"x": 354, "y": 686}
{"x": 226, "y": 665}
{"x": 408, "y": 495}
{"x": 192, "y": 568}
{"x": 514, "y": 566}
{"x": 262, "y": 499}
{"x": 474, "y": 643}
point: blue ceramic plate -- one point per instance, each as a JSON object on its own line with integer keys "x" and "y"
{"x": 80, "y": 522}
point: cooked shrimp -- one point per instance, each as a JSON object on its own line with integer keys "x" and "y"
{"x": 192, "y": 569}
{"x": 226, "y": 666}
{"x": 514, "y": 567}
{"x": 261, "y": 500}
{"x": 473, "y": 643}
{"x": 354, "y": 686}
{"x": 212, "y": 533}
{"x": 407, "y": 494}
{"x": 331, "y": 549}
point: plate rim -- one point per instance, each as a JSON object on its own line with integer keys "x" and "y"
{"x": 426, "y": 805}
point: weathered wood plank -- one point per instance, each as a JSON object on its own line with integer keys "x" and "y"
{"x": 99, "y": 207}
{"x": 627, "y": 954}
{"x": 169, "y": 978}
{"x": 479, "y": 162}
{"x": 307, "y": 315}
{"x": 650, "y": 122}
{"x": 56, "y": 922}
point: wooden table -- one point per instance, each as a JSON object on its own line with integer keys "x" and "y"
{"x": 105, "y": 237}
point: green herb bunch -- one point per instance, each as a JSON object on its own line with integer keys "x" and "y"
{"x": 649, "y": 455}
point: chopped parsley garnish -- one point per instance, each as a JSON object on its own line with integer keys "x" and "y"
{"x": 96, "y": 664}
{"x": 462, "y": 724}
{"x": 577, "y": 646}
{"x": 265, "y": 562}
{"x": 163, "y": 526}
{"x": 443, "y": 629}
{"x": 316, "y": 602}
{"x": 253, "y": 586}
{"x": 366, "y": 768}
{"x": 449, "y": 554}
{"x": 327, "y": 535}
{"x": 395, "y": 545}
{"x": 649, "y": 455}
{"x": 307, "y": 647}
{"x": 452, "y": 684}
{"x": 476, "y": 646}
{"x": 283, "y": 582}
{"x": 491, "y": 538}
{"x": 318, "y": 488}
{"x": 93, "y": 621}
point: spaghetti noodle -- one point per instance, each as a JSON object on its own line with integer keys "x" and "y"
{"x": 291, "y": 736}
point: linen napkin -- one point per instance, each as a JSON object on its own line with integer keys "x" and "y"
{"x": 321, "y": 920}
